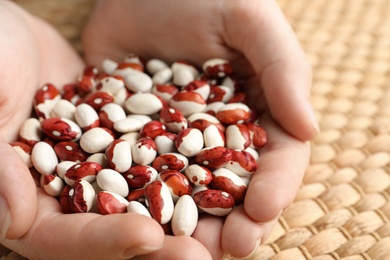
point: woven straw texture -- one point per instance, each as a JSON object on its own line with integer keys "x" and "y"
{"x": 342, "y": 210}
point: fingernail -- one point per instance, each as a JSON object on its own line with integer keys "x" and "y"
{"x": 272, "y": 219}
{"x": 313, "y": 117}
{"x": 250, "y": 255}
{"x": 140, "y": 250}
{"x": 5, "y": 216}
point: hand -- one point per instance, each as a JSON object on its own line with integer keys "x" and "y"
{"x": 256, "y": 38}
{"x": 29, "y": 56}
{"x": 31, "y": 222}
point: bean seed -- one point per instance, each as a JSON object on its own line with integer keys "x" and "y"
{"x": 165, "y": 141}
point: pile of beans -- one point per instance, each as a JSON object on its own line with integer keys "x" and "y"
{"x": 167, "y": 141}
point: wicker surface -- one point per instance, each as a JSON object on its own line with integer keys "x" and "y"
{"x": 342, "y": 210}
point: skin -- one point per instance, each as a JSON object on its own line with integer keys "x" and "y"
{"x": 277, "y": 77}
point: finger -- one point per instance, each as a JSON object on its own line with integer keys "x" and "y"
{"x": 241, "y": 236}
{"x": 87, "y": 235}
{"x": 18, "y": 202}
{"x": 208, "y": 232}
{"x": 281, "y": 167}
{"x": 262, "y": 33}
{"x": 178, "y": 248}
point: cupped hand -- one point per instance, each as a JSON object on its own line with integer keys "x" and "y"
{"x": 255, "y": 36}
{"x": 31, "y": 222}
{"x": 31, "y": 53}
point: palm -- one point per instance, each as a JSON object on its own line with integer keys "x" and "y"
{"x": 195, "y": 32}
{"x": 46, "y": 58}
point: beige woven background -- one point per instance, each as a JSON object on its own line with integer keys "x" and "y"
{"x": 342, "y": 210}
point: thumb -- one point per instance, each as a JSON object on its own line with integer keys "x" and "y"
{"x": 261, "y": 32}
{"x": 18, "y": 199}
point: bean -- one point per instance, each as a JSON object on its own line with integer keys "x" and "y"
{"x": 165, "y": 141}
{"x": 185, "y": 216}
{"x": 44, "y": 158}
{"x": 110, "y": 180}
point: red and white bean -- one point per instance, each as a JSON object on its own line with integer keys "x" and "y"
{"x": 165, "y": 141}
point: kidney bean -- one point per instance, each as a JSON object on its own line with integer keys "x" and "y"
{"x": 118, "y": 155}
{"x": 163, "y": 76}
{"x": 110, "y": 84}
{"x": 159, "y": 201}
{"x": 143, "y": 103}
{"x": 82, "y": 171}
{"x": 127, "y": 125}
{"x": 242, "y": 163}
{"x": 138, "y": 207}
{"x": 155, "y": 65}
{"x": 109, "y": 66}
{"x": 213, "y": 136}
{"x": 214, "y": 202}
{"x": 173, "y": 119}
{"x": 96, "y": 140}
{"x": 69, "y": 92}
{"x": 189, "y": 141}
{"x": 144, "y": 151}
{"x": 61, "y": 129}
{"x": 185, "y": 216}
{"x": 226, "y": 180}
{"x": 63, "y": 108}
{"x": 134, "y": 59}
{"x": 217, "y": 68}
{"x": 177, "y": 183}
{"x": 62, "y": 167}
{"x": 257, "y": 134}
{"x": 81, "y": 196}
{"x": 131, "y": 137}
{"x": 202, "y": 120}
{"x": 173, "y": 161}
{"x": 199, "y": 86}
{"x": 86, "y": 117}
{"x": 125, "y": 68}
{"x": 44, "y": 158}
{"x": 233, "y": 113}
{"x": 30, "y": 131}
{"x": 110, "y": 180}
{"x": 147, "y": 133}
{"x": 110, "y": 203}
{"x": 70, "y": 151}
{"x": 109, "y": 114}
{"x": 219, "y": 93}
{"x": 233, "y": 82}
{"x": 165, "y": 91}
{"x": 237, "y": 137}
{"x": 99, "y": 158}
{"x": 138, "y": 81}
{"x": 98, "y": 99}
{"x": 52, "y": 185}
{"x": 182, "y": 76}
{"x": 188, "y": 102}
{"x": 139, "y": 176}
{"x": 45, "y": 99}
{"x": 165, "y": 143}
{"x": 153, "y": 129}
{"x": 214, "y": 157}
{"x": 137, "y": 195}
{"x": 24, "y": 151}
{"x": 198, "y": 175}
{"x": 212, "y": 108}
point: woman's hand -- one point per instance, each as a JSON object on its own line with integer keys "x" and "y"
{"x": 31, "y": 222}
{"x": 256, "y": 38}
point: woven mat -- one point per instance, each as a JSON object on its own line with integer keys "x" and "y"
{"x": 342, "y": 210}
